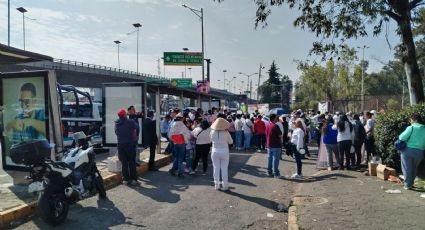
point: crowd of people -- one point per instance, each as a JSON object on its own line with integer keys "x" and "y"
{"x": 193, "y": 134}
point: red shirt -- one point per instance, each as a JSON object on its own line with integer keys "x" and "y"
{"x": 273, "y": 136}
{"x": 259, "y": 127}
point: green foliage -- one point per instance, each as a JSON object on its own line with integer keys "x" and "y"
{"x": 388, "y": 127}
{"x": 277, "y": 88}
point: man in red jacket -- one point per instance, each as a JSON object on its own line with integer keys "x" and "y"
{"x": 260, "y": 132}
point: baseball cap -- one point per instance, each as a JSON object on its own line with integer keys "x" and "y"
{"x": 121, "y": 113}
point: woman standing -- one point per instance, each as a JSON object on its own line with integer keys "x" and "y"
{"x": 412, "y": 155}
{"x": 203, "y": 145}
{"x": 297, "y": 141}
{"x": 330, "y": 141}
{"x": 221, "y": 140}
{"x": 345, "y": 140}
{"x": 179, "y": 135}
{"x": 231, "y": 128}
{"x": 189, "y": 148}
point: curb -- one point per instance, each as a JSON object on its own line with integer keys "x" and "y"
{"x": 292, "y": 218}
{"x": 110, "y": 181}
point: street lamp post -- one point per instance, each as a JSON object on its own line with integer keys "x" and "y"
{"x": 200, "y": 14}
{"x": 259, "y": 76}
{"x": 118, "y": 45}
{"x": 185, "y": 50}
{"x": 362, "y": 92}
{"x": 137, "y": 26}
{"x": 247, "y": 86}
{"x": 190, "y": 72}
{"x": 224, "y": 79}
{"x": 23, "y": 11}
{"x": 8, "y": 22}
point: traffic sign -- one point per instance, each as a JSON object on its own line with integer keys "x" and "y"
{"x": 182, "y": 82}
{"x": 183, "y": 58}
{"x": 157, "y": 80}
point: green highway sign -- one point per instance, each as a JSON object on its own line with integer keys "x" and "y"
{"x": 182, "y": 82}
{"x": 183, "y": 58}
{"x": 157, "y": 80}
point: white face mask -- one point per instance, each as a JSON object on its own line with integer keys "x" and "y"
{"x": 192, "y": 116}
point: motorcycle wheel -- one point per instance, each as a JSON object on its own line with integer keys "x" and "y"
{"x": 99, "y": 185}
{"x": 53, "y": 207}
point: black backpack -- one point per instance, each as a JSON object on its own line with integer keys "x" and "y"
{"x": 359, "y": 132}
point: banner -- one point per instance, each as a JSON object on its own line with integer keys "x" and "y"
{"x": 203, "y": 86}
{"x": 323, "y": 107}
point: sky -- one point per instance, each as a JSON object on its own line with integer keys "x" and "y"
{"x": 84, "y": 31}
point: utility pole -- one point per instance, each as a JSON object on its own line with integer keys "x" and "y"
{"x": 259, "y": 76}
{"x": 362, "y": 93}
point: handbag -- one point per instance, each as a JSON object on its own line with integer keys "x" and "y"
{"x": 401, "y": 145}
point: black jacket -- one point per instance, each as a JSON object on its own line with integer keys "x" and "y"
{"x": 149, "y": 132}
{"x": 126, "y": 130}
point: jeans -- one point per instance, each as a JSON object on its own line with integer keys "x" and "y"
{"x": 220, "y": 159}
{"x": 178, "y": 157}
{"x": 297, "y": 159}
{"x": 202, "y": 151}
{"x": 126, "y": 154}
{"x": 261, "y": 141}
{"x": 247, "y": 141}
{"x": 410, "y": 160}
{"x": 239, "y": 135}
{"x": 189, "y": 158}
{"x": 273, "y": 160}
{"x": 344, "y": 150}
{"x": 332, "y": 149}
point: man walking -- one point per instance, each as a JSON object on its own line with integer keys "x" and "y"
{"x": 126, "y": 130}
{"x": 260, "y": 131}
{"x": 151, "y": 139}
{"x": 274, "y": 146}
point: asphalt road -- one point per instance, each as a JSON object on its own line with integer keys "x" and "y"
{"x": 167, "y": 202}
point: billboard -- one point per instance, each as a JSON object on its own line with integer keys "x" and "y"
{"x": 24, "y": 111}
{"x": 120, "y": 96}
{"x": 203, "y": 86}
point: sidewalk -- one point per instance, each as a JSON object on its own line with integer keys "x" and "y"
{"x": 17, "y": 199}
{"x": 344, "y": 199}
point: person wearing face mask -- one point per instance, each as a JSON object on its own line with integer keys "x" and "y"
{"x": 29, "y": 124}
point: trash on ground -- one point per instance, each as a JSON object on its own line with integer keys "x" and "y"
{"x": 423, "y": 195}
{"x": 281, "y": 208}
{"x": 393, "y": 191}
{"x": 269, "y": 215}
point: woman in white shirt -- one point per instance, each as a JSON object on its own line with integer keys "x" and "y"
{"x": 345, "y": 140}
{"x": 297, "y": 140}
{"x": 203, "y": 145}
{"x": 221, "y": 140}
{"x": 247, "y": 130}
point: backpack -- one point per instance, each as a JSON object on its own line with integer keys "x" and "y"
{"x": 359, "y": 132}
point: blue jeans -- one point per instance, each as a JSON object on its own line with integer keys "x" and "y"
{"x": 273, "y": 159}
{"x": 331, "y": 150}
{"x": 410, "y": 159}
{"x": 247, "y": 141}
{"x": 233, "y": 135}
{"x": 178, "y": 157}
{"x": 189, "y": 158}
{"x": 239, "y": 135}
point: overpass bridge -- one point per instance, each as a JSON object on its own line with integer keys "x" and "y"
{"x": 87, "y": 75}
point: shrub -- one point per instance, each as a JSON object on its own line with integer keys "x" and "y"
{"x": 389, "y": 125}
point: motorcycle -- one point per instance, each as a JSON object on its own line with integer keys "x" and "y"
{"x": 59, "y": 183}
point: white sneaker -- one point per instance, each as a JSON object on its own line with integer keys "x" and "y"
{"x": 186, "y": 170}
{"x": 329, "y": 169}
{"x": 295, "y": 176}
{"x": 217, "y": 186}
{"x": 191, "y": 172}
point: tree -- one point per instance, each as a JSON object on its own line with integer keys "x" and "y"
{"x": 286, "y": 91}
{"x": 269, "y": 91}
{"x": 336, "y": 21}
